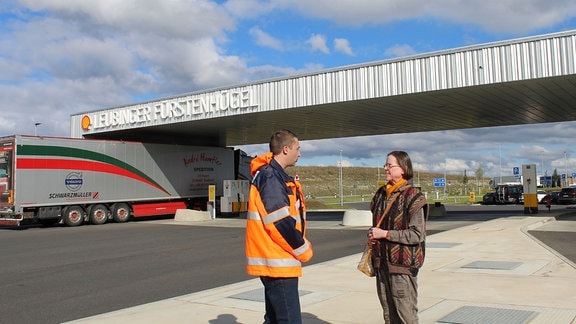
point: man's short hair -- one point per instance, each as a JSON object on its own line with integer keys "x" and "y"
{"x": 280, "y": 139}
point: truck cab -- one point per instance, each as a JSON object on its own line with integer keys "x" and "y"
{"x": 6, "y": 171}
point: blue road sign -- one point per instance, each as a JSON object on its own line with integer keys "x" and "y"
{"x": 546, "y": 181}
{"x": 439, "y": 182}
{"x": 516, "y": 170}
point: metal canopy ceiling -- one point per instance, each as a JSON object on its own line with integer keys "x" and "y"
{"x": 520, "y": 82}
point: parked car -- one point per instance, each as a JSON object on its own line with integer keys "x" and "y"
{"x": 490, "y": 198}
{"x": 552, "y": 196}
{"x": 567, "y": 196}
{"x": 540, "y": 194}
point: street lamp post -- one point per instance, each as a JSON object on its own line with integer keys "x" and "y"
{"x": 541, "y": 162}
{"x": 340, "y": 182}
{"x": 500, "y": 160}
{"x": 445, "y": 180}
{"x": 542, "y": 168}
{"x": 36, "y": 128}
{"x": 565, "y": 170}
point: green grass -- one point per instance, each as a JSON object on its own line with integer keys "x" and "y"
{"x": 321, "y": 185}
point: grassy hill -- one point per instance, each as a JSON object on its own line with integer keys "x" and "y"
{"x": 323, "y": 183}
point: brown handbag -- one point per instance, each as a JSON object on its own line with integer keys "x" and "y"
{"x": 365, "y": 265}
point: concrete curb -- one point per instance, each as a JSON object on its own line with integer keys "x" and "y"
{"x": 189, "y": 215}
{"x": 535, "y": 225}
{"x": 437, "y": 210}
{"x": 353, "y": 217}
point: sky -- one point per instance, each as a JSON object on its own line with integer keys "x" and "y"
{"x": 59, "y": 58}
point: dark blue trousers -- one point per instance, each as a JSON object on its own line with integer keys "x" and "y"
{"x": 282, "y": 300}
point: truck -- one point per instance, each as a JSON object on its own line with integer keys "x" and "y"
{"x": 75, "y": 180}
{"x": 503, "y": 180}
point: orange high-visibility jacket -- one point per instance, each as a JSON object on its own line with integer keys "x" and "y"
{"x": 276, "y": 241}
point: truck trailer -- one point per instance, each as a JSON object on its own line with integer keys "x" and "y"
{"x": 52, "y": 179}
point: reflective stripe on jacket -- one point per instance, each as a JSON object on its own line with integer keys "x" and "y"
{"x": 276, "y": 222}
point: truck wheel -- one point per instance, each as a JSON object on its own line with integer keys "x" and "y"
{"x": 73, "y": 216}
{"x": 98, "y": 214}
{"x": 121, "y": 212}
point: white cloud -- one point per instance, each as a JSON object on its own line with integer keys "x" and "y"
{"x": 400, "y": 50}
{"x": 342, "y": 45}
{"x": 262, "y": 72}
{"x": 345, "y": 163}
{"x": 7, "y": 124}
{"x": 184, "y": 19}
{"x": 509, "y": 16}
{"x": 493, "y": 149}
{"x": 503, "y": 16}
{"x": 265, "y": 40}
{"x": 169, "y": 46}
{"x": 249, "y": 8}
{"x": 318, "y": 43}
{"x": 79, "y": 56}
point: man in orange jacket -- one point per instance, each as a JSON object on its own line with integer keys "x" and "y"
{"x": 276, "y": 241}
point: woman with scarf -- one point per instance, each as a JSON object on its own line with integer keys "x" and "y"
{"x": 398, "y": 242}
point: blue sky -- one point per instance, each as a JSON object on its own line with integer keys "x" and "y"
{"x": 64, "y": 57}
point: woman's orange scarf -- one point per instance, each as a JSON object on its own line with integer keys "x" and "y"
{"x": 390, "y": 188}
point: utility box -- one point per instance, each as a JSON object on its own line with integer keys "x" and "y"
{"x": 529, "y": 181}
{"x": 235, "y": 198}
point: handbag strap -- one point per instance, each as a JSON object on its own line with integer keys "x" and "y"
{"x": 389, "y": 205}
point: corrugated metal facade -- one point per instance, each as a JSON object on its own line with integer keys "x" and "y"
{"x": 493, "y": 63}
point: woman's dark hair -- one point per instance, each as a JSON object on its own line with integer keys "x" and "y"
{"x": 280, "y": 139}
{"x": 404, "y": 162}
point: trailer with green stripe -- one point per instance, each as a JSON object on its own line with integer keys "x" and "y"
{"x": 50, "y": 179}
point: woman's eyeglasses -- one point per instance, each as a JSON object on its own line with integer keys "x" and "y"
{"x": 390, "y": 166}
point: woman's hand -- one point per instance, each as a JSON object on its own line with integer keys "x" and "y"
{"x": 376, "y": 233}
